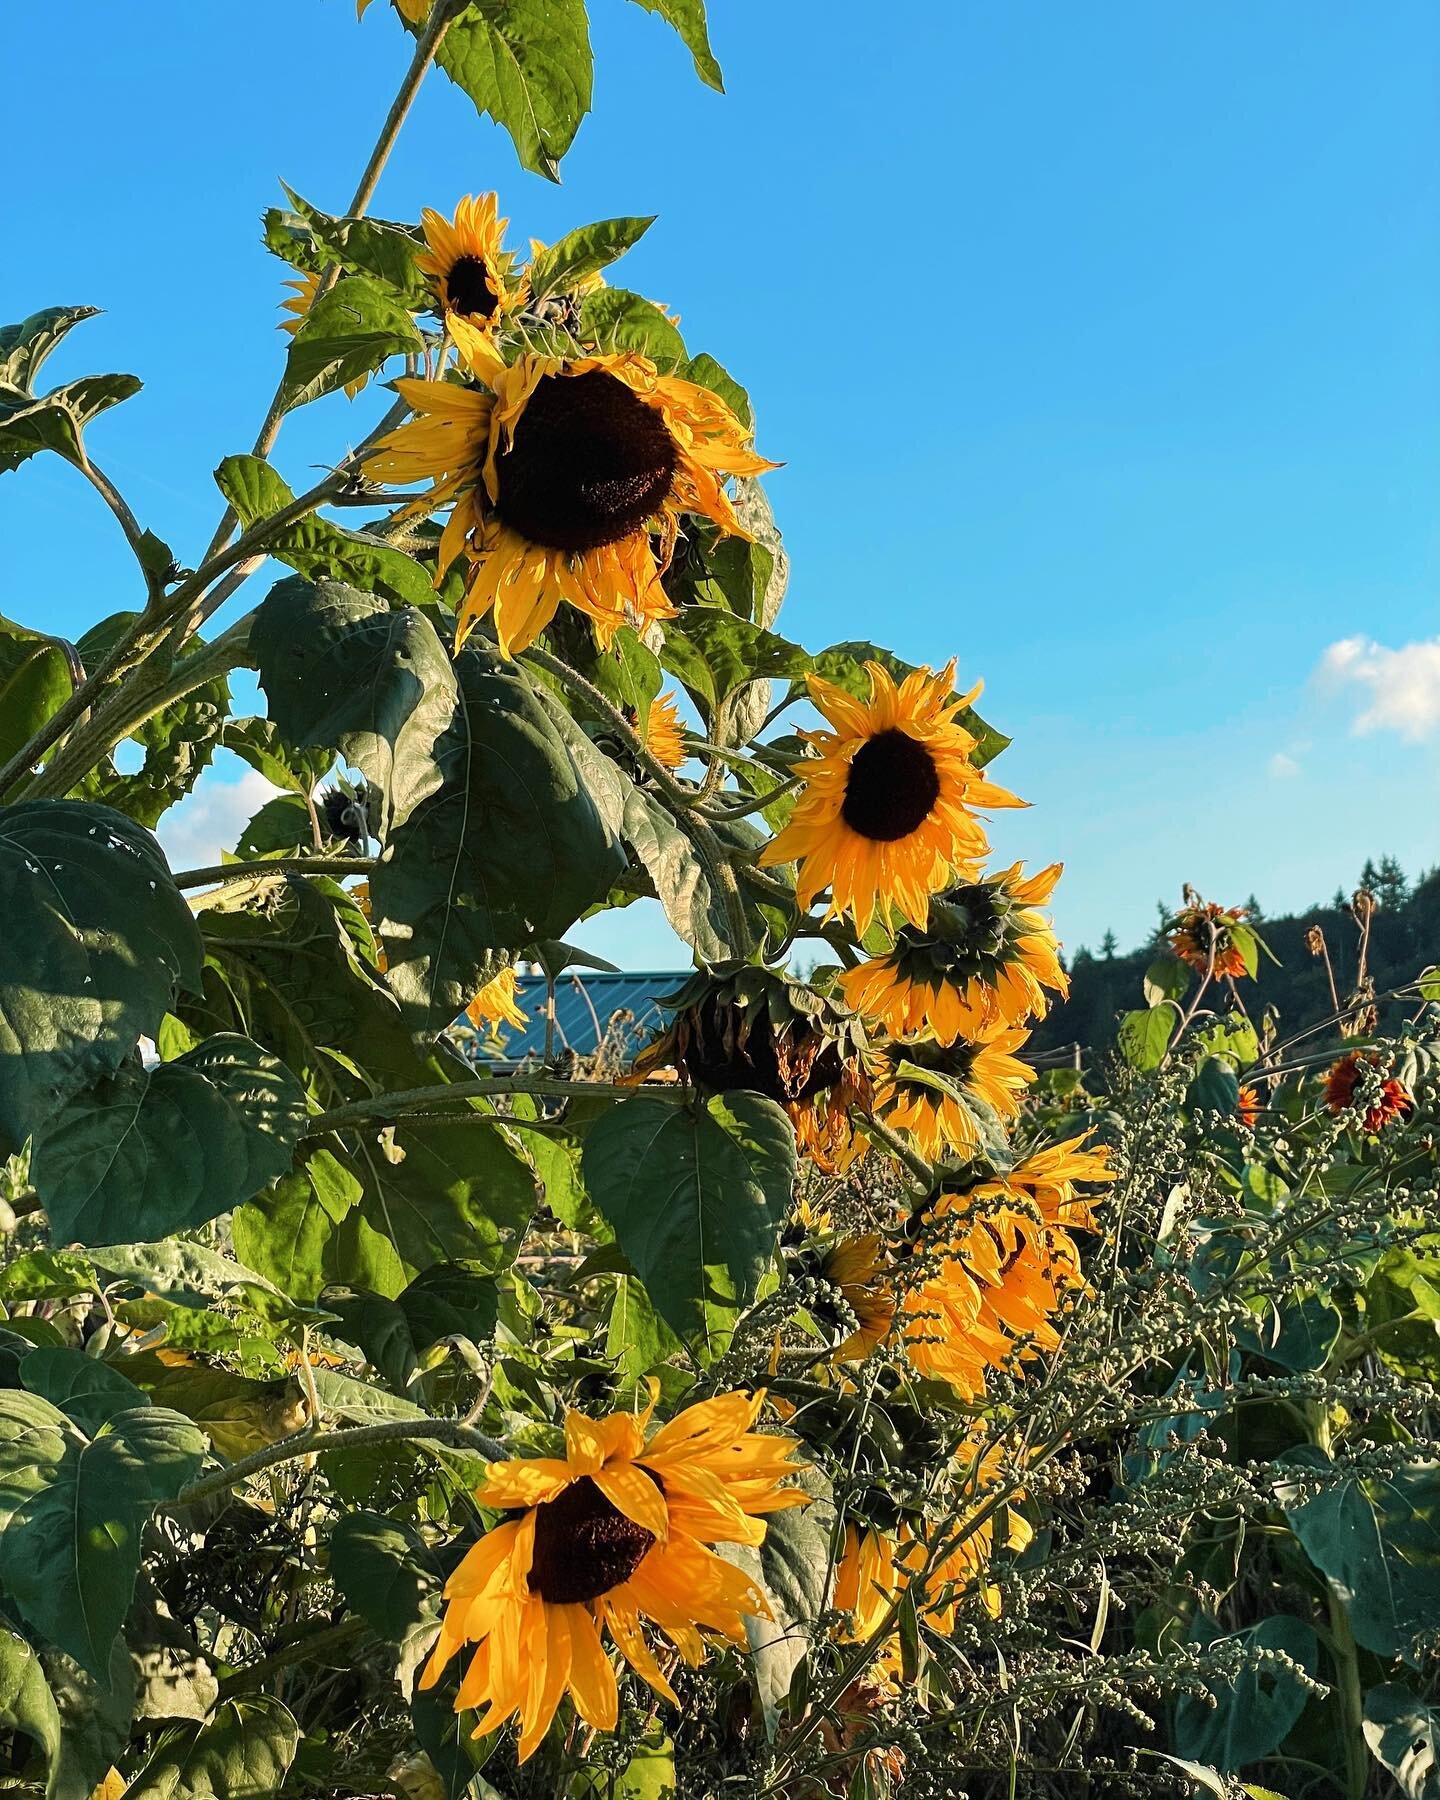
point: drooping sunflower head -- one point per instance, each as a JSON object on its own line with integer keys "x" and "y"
{"x": 937, "y": 1094}
{"x": 885, "y": 816}
{"x": 559, "y": 476}
{"x": 984, "y": 960}
{"x": 496, "y": 1004}
{"x": 466, "y": 260}
{"x": 616, "y": 1529}
{"x": 860, "y": 1268}
{"x": 1358, "y": 1079}
{"x": 1204, "y": 925}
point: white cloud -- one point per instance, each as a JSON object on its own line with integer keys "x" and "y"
{"x": 1283, "y": 767}
{"x": 211, "y": 817}
{"x": 1401, "y": 687}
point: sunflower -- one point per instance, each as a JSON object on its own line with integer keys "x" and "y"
{"x": 298, "y": 304}
{"x": 924, "y": 1087}
{"x": 885, "y": 817}
{"x": 1248, "y": 1107}
{"x": 824, "y": 1123}
{"x": 415, "y": 11}
{"x": 470, "y": 269}
{"x": 995, "y": 1264}
{"x": 558, "y": 476}
{"x": 496, "y": 1004}
{"x": 662, "y": 732}
{"x": 615, "y": 1529}
{"x": 859, "y": 1268}
{"x": 1196, "y": 928}
{"x": 1390, "y": 1103}
{"x": 984, "y": 960}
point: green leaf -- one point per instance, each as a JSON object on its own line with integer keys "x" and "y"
{"x": 95, "y": 1720}
{"x": 316, "y": 548}
{"x": 340, "y": 669}
{"x": 791, "y": 1566}
{"x": 390, "y": 1577}
{"x": 27, "y": 1705}
{"x": 56, "y": 420}
{"x": 1429, "y": 983}
{"x": 1378, "y": 1543}
{"x": 243, "y": 1753}
{"x": 284, "y": 1232}
{"x": 314, "y": 241}
{"x": 83, "y": 1388}
{"x": 179, "y": 1272}
{"x": 24, "y": 347}
{"x": 707, "y": 372}
{"x": 584, "y": 251}
{"x": 257, "y": 742}
{"x": 1298, "y": 1334}
{"x": 71, "y": 1513}
{"x": 696, "y": 1198}
{"x": 688, "y": 18}
{"x": 1166, "y": 979}
{"x": 1144, "y": 1037}
{"x": 714, "y": 653}
{"x": 637, "y": 1339}
{"x": 1247, "y": 943}
{"x": 280, "y": 828}
{"x": 1403, "y": 1734}
{"x": 97, "y": 938}
{"x": 528, "y": 64}
{"x": 512, "y": 847}
{"x": 346, "y": 335}
{"x": 649, "y": 1774}
{"x": 237, "y": 1414}
{"x": 844, "y": 666}
{"x": 615, "y": 319}
{"x": 1216, "y": 1089}
{"x": 34, "y": 683}
{"x": 1251, "y": 1717}
{"x": 148, "y": 1152}
{"x": 629, "y": 675}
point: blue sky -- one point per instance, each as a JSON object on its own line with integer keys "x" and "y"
{"x": 1100, "y": 344}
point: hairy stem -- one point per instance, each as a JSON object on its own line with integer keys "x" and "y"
{"x": 275, "y": 865}
{"x": 386, "y": 1106}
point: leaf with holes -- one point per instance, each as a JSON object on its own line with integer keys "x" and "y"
{"x": 71, "y": 1513}
{"x": 1403, "y": 1734}
{"x": 696, "y": 1196}
{"x": 148, "y": 1152}
{"x": 97, "y": 939}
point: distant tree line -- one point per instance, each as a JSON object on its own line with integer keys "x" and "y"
{"x": 1404, "y": 938}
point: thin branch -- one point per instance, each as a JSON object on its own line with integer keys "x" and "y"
{"x": 275, "y": 865}
{"x": 387, "y": 1106}
{"x": 116, "y": 501}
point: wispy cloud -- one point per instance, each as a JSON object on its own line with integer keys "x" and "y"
{"x": 1400, "y": 688}
{"x": 1283, "y": 767}
{"x": 211, "y": 817}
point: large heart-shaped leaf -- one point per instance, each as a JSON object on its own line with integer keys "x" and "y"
{"x": 84, "y": 1388}
{"x": 696, "y": 1196}
{"x": 389, "y": 1575}
{"x": 243, "y": 1753}
{"x": 148, "y": 1152}
{"x": 1249, "y": 1718}
{"x": 71, "y": 1513}
{"x": 96, "y": 939}
{"x": 340, "y": 669}
{"x": 510, "y": 848}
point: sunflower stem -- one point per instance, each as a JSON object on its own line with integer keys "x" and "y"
{"x": 898, "y": 1148}
{"x": 615, "y": 720}
{"x": 389, "y": 1106}
{"x": 115, "y": 500}
{"x": 275, "y": 865}
{"x": 310, "y": 1442}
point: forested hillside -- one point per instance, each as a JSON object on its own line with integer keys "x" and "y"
{"x": 1404, "y": 938}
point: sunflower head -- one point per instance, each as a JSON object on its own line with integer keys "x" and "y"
{"x": 559, "y": 477}
{"x": 1357, "y": 1079}
{"x": 885, "y": 816}
{"x": 496, "y": 1004}
{"x": 860, "y": 1268}
{"x": 663, "y": 731}
{"x": 985, "y": 959}
{"x": 615, "y": 1530}
{"x": 1205, "y": 925}
{"x": 947, "y": 1097}
{"x": 469, "y": 268}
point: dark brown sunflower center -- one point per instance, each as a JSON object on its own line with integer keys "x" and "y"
{"x": 591, "y": 462}
{"x": 891, "y": 787}
{"x": 584, "y": 1546}
{"x": 469, "y": 290}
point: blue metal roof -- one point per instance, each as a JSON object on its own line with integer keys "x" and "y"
{"x": 619, "y": 1007}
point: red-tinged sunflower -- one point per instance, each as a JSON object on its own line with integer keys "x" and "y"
{"x": 859, "y": 1267}
{"x": 558, "y": 477}
{"x": 1195, "y": 929}
{"x": 924, "y": 1089}
{"x": 298, "y": 304}
{"x": 983, "y": 961}
{"x": 467, "y": 261}
{"x": 1390, "y": 1103}
{"x": 1248, "y": 1107}
{"x": 496, "y": 1004}
{"x": 886, "y": 813}
{"x": 614, "y": 1531}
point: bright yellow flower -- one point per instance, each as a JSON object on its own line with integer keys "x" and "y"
{"x": 983, "y": 962}
{"x": 662, "y": 732}
{"x": 886, "y": 813}
{"x": 496, "y": 1004}
{"x": 860, "y": 1269}
{"x": 557, "y": 479}
{"x": 936, "y": 1120}
{"x": 466, "y": 261}
{"x": 614, "y": 1530}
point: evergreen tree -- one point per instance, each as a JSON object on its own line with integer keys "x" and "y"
{"x": 1109, "y": 944}
{"x": 1252, "y": 906}
{"x": 1391, "y": 888}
